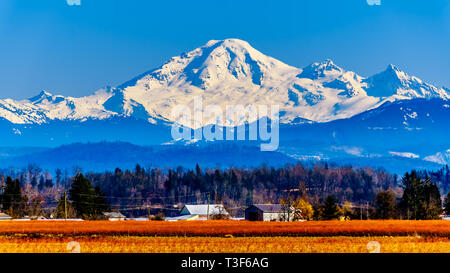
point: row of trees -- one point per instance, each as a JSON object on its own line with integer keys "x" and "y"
{"x": 83, "y": 201}
{"x": 239, "y": 187}
{"x": 319, "y": 176}
{"x": 40, "y": 179}
{"x": 421, "y": 200}
{"x": 358, "y": 193}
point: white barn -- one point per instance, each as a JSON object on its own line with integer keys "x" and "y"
{"x": 203, "y": 211}
{"x": 267, "y": 213}
{"x": 4, "y": 217}
{"x": 114, "y": 216}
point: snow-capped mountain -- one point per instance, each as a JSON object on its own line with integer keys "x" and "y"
{"x": 398, "y": 136}
{"x": 46, "y": 107}
{"x": 442, "y": 158}
{"x": 229, "y": 72}
{"x": 395, "y": 83}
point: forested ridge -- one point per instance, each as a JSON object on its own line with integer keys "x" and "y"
{"x": 148, "y": 191}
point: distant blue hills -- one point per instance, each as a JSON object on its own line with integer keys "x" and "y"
{"x": 110, "y": 155}
{"x": 397, "y": 136}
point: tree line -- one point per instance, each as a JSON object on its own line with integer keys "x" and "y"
{"x": 420, "y": 200}
{"x": 81, "y": 201}
{"x": 322, "y": 191}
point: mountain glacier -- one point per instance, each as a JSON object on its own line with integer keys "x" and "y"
{"x": 230, "y": 72}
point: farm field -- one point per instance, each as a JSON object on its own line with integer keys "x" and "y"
{"x": 225, "y": 236}
{"x": 134, "y": 244}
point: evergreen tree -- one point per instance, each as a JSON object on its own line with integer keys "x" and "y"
{"x": 432, "y": 203}
{"x": 34, "y": 182}
{"x": 318, "y": 212}
{"x": 331, "y": 209}
{"x": 102, "y": 204}
{"x": 12, "y": 199}
{"x": 58, "y": 177}
{"x": 87, "y": 201}
{"x": 41, "y": 184}
{"x": 412, "y": 193}
{"x": 64, "y": 207}
{"x": 421, "y": 198}
{"x": 48, "y": 183}
{"x": 385, "y": 205}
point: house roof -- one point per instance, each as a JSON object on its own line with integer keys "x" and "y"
{"x": 269, "y": 208}
{"x": 182, "y": 217}
{"x": 34, "y": 217}
{"x": 4, "y": 216}
{"x": 114, "y": 214}
{"x": 203, "y": 209}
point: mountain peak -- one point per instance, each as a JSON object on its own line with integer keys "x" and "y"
{"x": 328, "y": 62}
{"x": 321, "y": 69}
{"x": 44, "y": 93}
{"x": 325, "y": 65}
{"x": 231, "y": 60}
{"x": 41, "y": 96}
{"x": 396, "y": 73}
{"x": 230, "y": 72}
{"x": 228, "y": 43}
{"x": 392, "y": 67}
{"x": 395, "y": 82}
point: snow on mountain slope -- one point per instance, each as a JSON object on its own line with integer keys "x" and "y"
{"x": 395, "y": 83}
{"x": 332, "y": 76}
{"x": 230, "y": 72}
{"x": 331, "y": 93}
{"x": 442, "y": 158}
{"x": 45, "y": 107}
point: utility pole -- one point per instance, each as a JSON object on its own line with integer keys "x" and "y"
{"x": 207, "y": 213}
{"x": 65, "y": 205}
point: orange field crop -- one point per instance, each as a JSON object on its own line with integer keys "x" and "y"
{"x": 134, "y": 244}
{"x": 225, "y": 236}
{"x": 234, "y": 228}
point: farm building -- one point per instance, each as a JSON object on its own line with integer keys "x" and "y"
{"x": 274, "y": 212}
{"x": 114, "y": 216}
{"x": 183, "y": 218}
{"x": 34, "y": 218}
{"x": 4, "y": 217}
{"x": 204, "y": 211}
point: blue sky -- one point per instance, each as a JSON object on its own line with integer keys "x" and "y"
{"x": 75, "y": 50}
